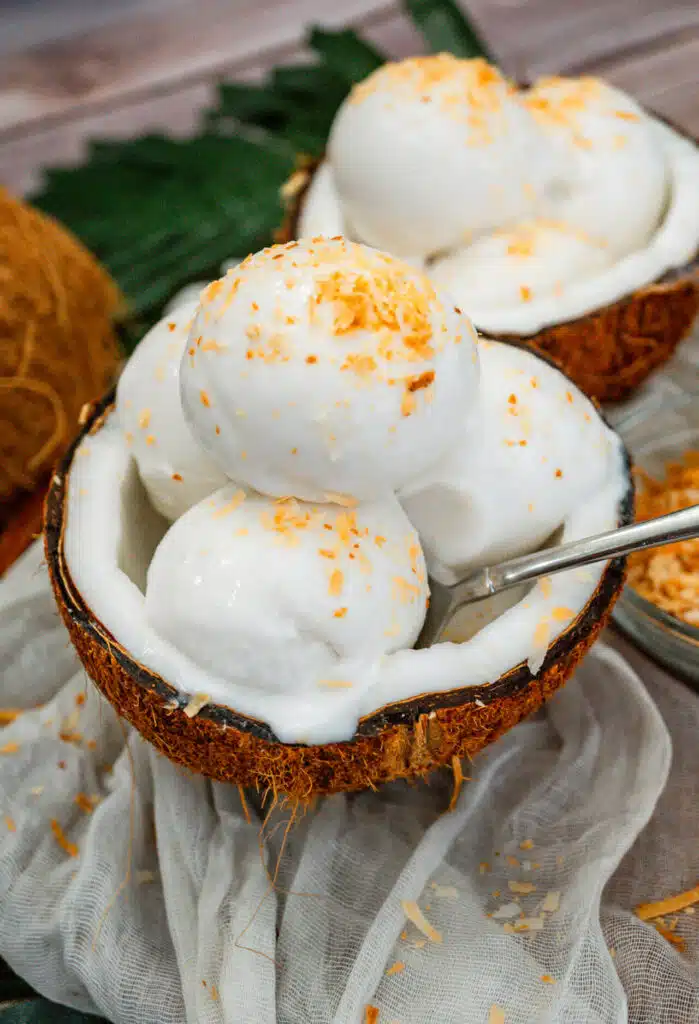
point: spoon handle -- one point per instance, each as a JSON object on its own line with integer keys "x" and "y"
{"x": 682, "y": 525}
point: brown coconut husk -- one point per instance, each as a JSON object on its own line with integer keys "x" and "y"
{"x": 404, "y": 740}
{"x": 608, "y": 353}
{"x": 57, "y": 346}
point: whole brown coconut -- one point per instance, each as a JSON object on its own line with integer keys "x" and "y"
{"x": 399, "y": 741}
{"x": 57, "y": 351}
{"x": 609, "y": 352}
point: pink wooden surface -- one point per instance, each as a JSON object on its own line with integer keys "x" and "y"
{"x": 154, "y": 66}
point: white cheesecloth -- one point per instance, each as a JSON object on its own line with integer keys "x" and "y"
{"x": 166, "y": 914}
{"x": 162, "y": 911}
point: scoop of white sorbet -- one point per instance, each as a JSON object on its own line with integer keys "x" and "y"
{"x": 521, "y": 264}
{"x": 288, "y": 597}
{"x": 614, "y": 178}
{"x": 329, "y": 371}
{"x": 538, "y": 449}
{"x": 430, "y": 152}
{"x": 175, "y": 470}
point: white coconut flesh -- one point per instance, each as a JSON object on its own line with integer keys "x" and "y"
{"x": 602, "y": 197}
{"x": 112, "y": 533}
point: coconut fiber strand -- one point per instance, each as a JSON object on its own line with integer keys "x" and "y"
{"x": 57, "y": 346}
{"x": 133, "y": 888}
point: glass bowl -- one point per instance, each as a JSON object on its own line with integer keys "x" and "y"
{"x": 656, "y": 432}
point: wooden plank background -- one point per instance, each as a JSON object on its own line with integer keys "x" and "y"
{"x": 151, "y": 64}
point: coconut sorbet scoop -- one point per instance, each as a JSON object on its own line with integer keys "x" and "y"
{"x": 548, "y": 212}
{"x": 354, "y": 417}
{"x": 328, "y": 371}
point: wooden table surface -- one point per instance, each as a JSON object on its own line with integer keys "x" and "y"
{"x": 151, "y": 64}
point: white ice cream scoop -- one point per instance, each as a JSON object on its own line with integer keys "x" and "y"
{"x": 175, "y": 470}
{"x": 430, "y": 152}
{"x": 329, "y": 371}
{"x": 519, "y": 265}
{"x": 613, "y": 181}
{"x": 321, "y": 212}
{"x": 536, "y": 449}
{"x": 288, "y": 597}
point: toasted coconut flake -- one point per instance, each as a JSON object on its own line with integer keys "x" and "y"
{"x": 9, "y": 748}
{"x": 458, "y": 773}
{"x": 70, "y": 737}
{"x": 507, "y": 911}
{"x": 446, "y": 892}
{"x": 547, "y": 979}
{"x": 197, "y": 702}
{"x": 70, "y": 848}
{"x": 70, "y": 722}
{"x": 344, "y": 500}
{"x": 669, "y": 576}
{"x": 529, "y": 924}
{"x": 552, "y": 902}
{"x": 512, "y": 861}
{"x": 86, "y": 803}
{"x": 496, "y": 1015}
{"x": 526, "y": 844}
{"x": 414, "y": 914}
{"x": 670, "y": 905}
{"x": 371, "y": 1015}
{"x": 9, "y": 715}
{"x": 294, "y": 184}
{"x": 675, "y": 940}
{"x": 522, "y": 887}
{"x": 396, "y": 968}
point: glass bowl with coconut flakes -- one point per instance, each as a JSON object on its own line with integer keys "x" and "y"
{"x": 659, "y": 608}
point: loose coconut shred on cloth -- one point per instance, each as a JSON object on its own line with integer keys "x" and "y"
{"x": 135, "y": 889}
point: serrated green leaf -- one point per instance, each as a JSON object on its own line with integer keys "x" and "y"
{"x": 158, "y": 223}
{"x": 446, "y": 28}
{"x": 250, "y": 102}
{"x": 345, "y": 53}
{"x": 41, "y": 1011}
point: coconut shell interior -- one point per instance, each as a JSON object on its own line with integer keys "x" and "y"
{"x": 607, "y": 353}
{"x": 403, "y": 740}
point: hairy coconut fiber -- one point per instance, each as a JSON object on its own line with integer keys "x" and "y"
{"x": 57, "y": 346}
{"x": 404, "y": 740}
{"x": 607, "y": 353}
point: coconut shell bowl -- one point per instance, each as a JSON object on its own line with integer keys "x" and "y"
{"x": 140, "y": 591}
{"x": 563, "y": 216}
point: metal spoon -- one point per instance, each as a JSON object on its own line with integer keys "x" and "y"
{"x": 446, "y": 600}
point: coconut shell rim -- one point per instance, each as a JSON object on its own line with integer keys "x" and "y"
{"x": 406, "y": 712}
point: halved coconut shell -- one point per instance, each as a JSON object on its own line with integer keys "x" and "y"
{"x": 401, "y": 740}
{"x": 607, "y": 353}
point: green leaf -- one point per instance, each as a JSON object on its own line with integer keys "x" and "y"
{"x": 345, "y": 53}
{"x": 169, "y": 211}
{"x": 41, "y": 1011}
{"x": 446, "y": 28}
